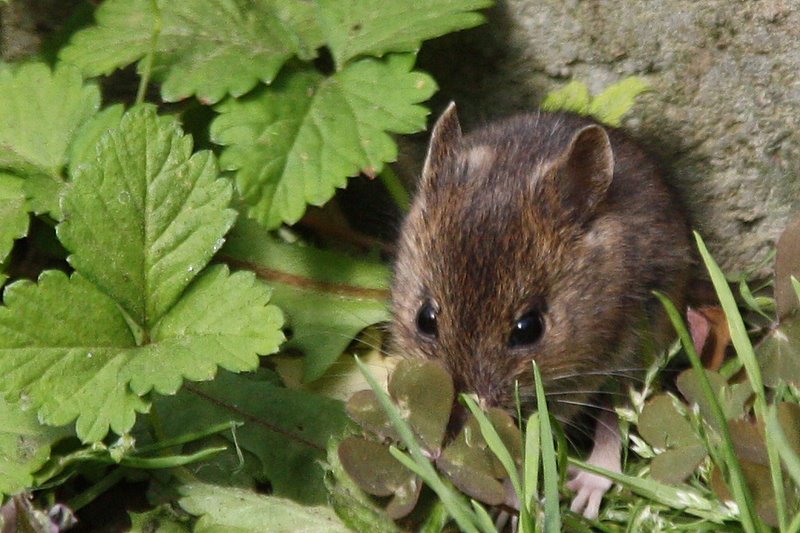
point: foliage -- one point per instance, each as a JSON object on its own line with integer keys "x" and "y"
{"x": 607, "y": 107}
{"x": 139, "y": 298}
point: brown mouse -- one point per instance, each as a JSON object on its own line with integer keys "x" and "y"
{"x": 539, "y": 237}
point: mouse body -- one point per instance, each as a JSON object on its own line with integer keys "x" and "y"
{"x": 540, "y": 237}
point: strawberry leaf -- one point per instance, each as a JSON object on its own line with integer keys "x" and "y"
{"x": 295, "y": 142}
{"x": 147, "y": 217}
{"x": 220, "y": 320}
{"x": 141, "y": 221}
{"x": 13, "y": 213}
{"x": 206, "y": 47}
{"x": 62, "y": 343}
{"x": 374, "y": 27}
{"x": 40, "y": 113}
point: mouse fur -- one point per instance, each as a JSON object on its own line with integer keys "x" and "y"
{"x": 548, "y": 211}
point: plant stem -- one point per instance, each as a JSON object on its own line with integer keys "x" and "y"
{"x": 147, "y": 69}
{"x": 396, "y": 188}
{"x": 88, "y": 496}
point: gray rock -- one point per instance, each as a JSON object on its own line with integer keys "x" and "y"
{"x": 723, "y": 115}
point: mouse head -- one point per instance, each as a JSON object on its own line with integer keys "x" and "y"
{"x": 508, "y": 256}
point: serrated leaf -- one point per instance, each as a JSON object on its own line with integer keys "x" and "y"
{"x": 221, "y": 320}
{"x": 24, "y": 446}
{"x": 84, "y": 147}
{"x": 62, "y": 344}
{"x": 147, "y": 216}
{"x": 617, "y": 99}
{"x": 295, "y": 142}
{"x": 779, "y": 353}
{"x": 286, "y": 430}
{"x": 40, "y": 111}
{"x": 207, "y": 48}
{"x": 574, "y": 97}
{"x": 787, "y": 264}
{"x": 374, "y": 27}
{"x": 328, "y": 297}
{"x": 236, "y": 510}
{"x": 13, "y": 214}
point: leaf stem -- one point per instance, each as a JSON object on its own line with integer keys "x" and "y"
{"x": 147, "y": 68}
{"x": 396, "y": 189}
{"x": 88, "y": 496}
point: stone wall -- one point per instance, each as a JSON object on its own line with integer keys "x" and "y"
{"x": 723, "y": 114}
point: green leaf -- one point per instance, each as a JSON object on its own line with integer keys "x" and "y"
{"x": 779, "y": 353}
{"x": 222, "y": 319}
{"x": 356, "y": 509}
{"x": 285, "y": 429}
{"x": 62, "y": 345}
{"x": 24, "y": 447}
{"x": 84, "y": 146}
{"x": 40, "y": 113}
{"x": 207, "y": 48}
{"x": 573, "y": 97}
{"x": 147, "y": 216}
{"x": 425, "y": 391}
{"x": 13, "y": 214}
{"x": 236, "y": 510}
{"x": 374, "y": 27}
{"x": 295, "y": 142}
{"x": 617, "y": 99}
{"x": 328, "y": 297}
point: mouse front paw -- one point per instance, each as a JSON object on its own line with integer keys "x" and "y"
{"x": 589, "y": 491}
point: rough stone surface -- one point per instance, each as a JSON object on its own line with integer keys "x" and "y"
{"x": 723, "y": 115}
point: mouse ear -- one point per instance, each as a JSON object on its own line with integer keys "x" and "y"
{"x": 586, "y": 171}
{"x": 445, "y": 140}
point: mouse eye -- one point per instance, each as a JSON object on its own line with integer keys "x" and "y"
{"x": 426, "y": 320}
{"x": 528, "y": 329}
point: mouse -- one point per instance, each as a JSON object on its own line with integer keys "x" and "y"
{"x": 540, "y": 237}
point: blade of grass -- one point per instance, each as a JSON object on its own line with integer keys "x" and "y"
{"x": 530, "y": 482}
{"x": 744, "y": 351}
{"x": 552, "y": 514}
{"x": 486, "y": 521}
{"x": 741, "y": 493}
{"x": 796, "y": 286}
{"x": 685, "y": 498}
{"x": 501, "y": 452}
{"x": 790, "y": 459}
{"x": 455, "y": 503}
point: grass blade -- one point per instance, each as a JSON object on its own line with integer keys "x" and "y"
{"x": 456, "y": 504}
{"x": 747, "y": 513}
{"x": 530, "y": 483}
{"x": 684, "y": 498}
{"x": 552, "y": 514}
{"x": 790, "y": 458}
{"x": 744, "y": 351}
{"x": 501, "y": 452}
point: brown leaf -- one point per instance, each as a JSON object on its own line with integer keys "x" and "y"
{"x": 787, "y": 263}
{"x": 710, "y": 334}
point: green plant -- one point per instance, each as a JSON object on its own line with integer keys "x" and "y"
{"x": 142, "y": 281}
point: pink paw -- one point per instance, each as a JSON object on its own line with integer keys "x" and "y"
{"x": 589, "y": 491}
